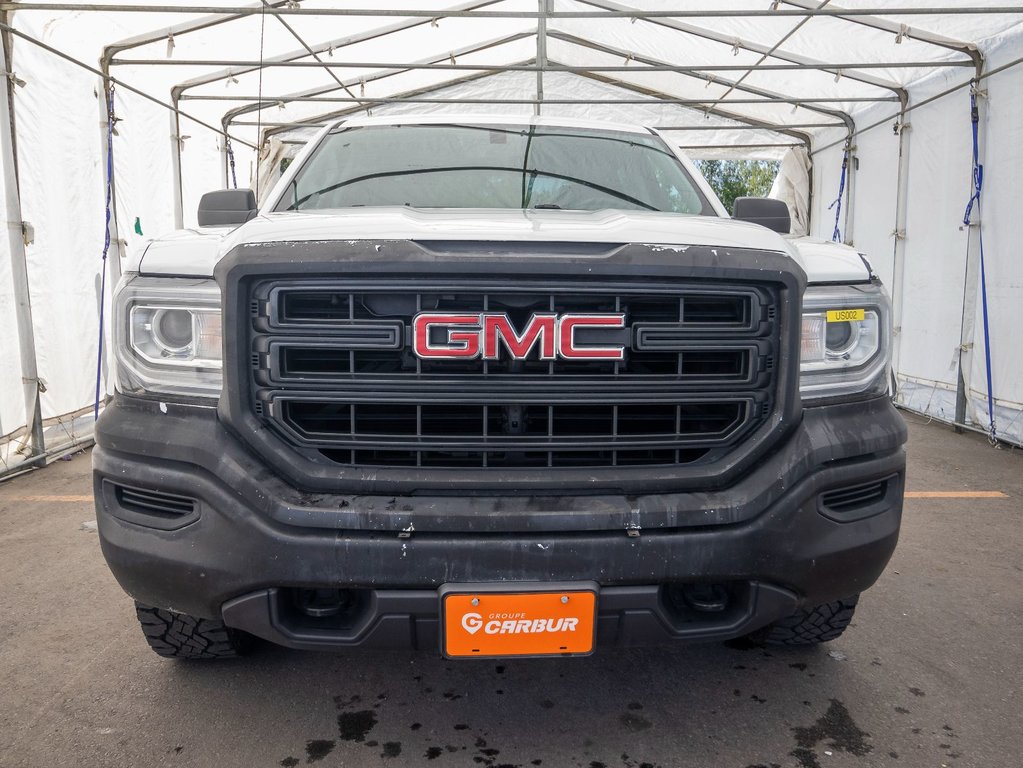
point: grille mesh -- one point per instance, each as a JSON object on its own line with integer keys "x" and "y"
{"x": 337, "y": 378}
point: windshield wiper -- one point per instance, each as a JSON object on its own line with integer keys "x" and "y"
{"x": 448, "y": 169}
{"x": 547, "y": 207}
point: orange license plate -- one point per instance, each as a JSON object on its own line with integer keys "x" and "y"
{"x": 526, "y": 623}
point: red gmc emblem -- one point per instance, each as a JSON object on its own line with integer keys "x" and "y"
{"x": 470, "y": 335}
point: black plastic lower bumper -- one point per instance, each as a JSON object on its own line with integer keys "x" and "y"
{"x": 402, "y": 618}
{"x": 249, "y": 537}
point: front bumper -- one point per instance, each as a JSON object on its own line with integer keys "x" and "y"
{"x": 252, "y": 537}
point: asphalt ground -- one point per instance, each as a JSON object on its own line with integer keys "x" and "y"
{"x": 928, "y": 675}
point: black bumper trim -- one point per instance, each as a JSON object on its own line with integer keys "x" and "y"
{"x": 255, "y": 532}
{"x": 188, "y": 451}
{"x": 626, "y": 616}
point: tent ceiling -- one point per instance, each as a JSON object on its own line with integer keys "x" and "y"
{"x": 808, "y": 63}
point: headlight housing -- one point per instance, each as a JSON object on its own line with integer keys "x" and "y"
{"x": 168, "y": 337}
{"x": 845, "y": 348}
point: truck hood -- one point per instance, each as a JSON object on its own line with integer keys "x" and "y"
{"x": 196, "y": 252}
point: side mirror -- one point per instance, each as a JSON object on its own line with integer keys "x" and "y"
{"x": 226, "y": 206}
{"x": 773, "y": 214}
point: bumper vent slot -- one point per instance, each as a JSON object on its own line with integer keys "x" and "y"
{"x": 154, "y": 502}
{"x": 854, "y": 502}
{"x": 149, "y": 508}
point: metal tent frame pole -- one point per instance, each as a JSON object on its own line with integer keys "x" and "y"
{"x": 273, "y": 100}
{"x": 320, "y": 123}
{"x": 285, "y": 59}
{"x": 107, "y": 60}
{"x": 250, "y": 65}
{"x": 316, "y": 56}
{"x": 445, "y": 13}
{"x": 338, "y": 114}
{"x": 230, "y": 115}
{"x": 846, "y": 119}
{"x": 898, "y": 30}
{"x": 852, "y": 71}
{"x": 107, "y": 77}
{"x": 541, "y": 50}
{"x": 19, "y": 263}
{"x": 929, "y": 100}
{"x": 654, "y": 95}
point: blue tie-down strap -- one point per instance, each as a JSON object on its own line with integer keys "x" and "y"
{"x": 230, "y": 162}
{"x": 106, "y": 244}
{"x": 837, "y": 202}
{"x": 978, "y": 185}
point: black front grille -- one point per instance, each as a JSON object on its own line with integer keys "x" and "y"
{"x": 334, "y": 373}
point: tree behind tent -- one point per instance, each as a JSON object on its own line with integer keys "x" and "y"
{"x": 739, "y": 178}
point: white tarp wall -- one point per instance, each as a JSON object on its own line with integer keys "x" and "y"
{"x": 756, "y": 113}
{"x": 937, "y": 291}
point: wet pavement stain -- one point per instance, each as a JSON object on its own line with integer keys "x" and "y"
{"x": 289, "y": 762}
{"x": 949, "y": 733}
{"x": 432, "y": 753}
{"x": 838, "y": 728}
{"x": 354, "y": 726}
{"x": 317, "y": 749}
{"x": 391, "y": 749}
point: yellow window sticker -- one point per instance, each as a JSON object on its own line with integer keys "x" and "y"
{"x": 845, "y": 315}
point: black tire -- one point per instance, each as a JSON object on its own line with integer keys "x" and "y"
{"x": 812, "y": 626}
{"x": 180, "y": 636}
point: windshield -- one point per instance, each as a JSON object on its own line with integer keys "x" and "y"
{"x": 481, "y": 166}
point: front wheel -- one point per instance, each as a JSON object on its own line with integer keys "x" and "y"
{"x": 811, "y": 626}
{"x": 180, "y": 636}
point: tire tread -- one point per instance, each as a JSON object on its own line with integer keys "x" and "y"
{"x": 180, "y": 636}
{"x": 812, "y": 626}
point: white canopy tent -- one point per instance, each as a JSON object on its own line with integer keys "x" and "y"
{"x": 869, "y": 104}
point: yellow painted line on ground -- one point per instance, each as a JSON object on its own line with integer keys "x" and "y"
{"x": 956, "y": 495}
{"x": 47, "y": 498}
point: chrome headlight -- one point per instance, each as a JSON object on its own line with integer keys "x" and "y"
{"x": 168, "y": 336}
{"x": 846, "y": 341}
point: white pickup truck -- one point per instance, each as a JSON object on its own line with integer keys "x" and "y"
{"x": 496, "y": 387}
